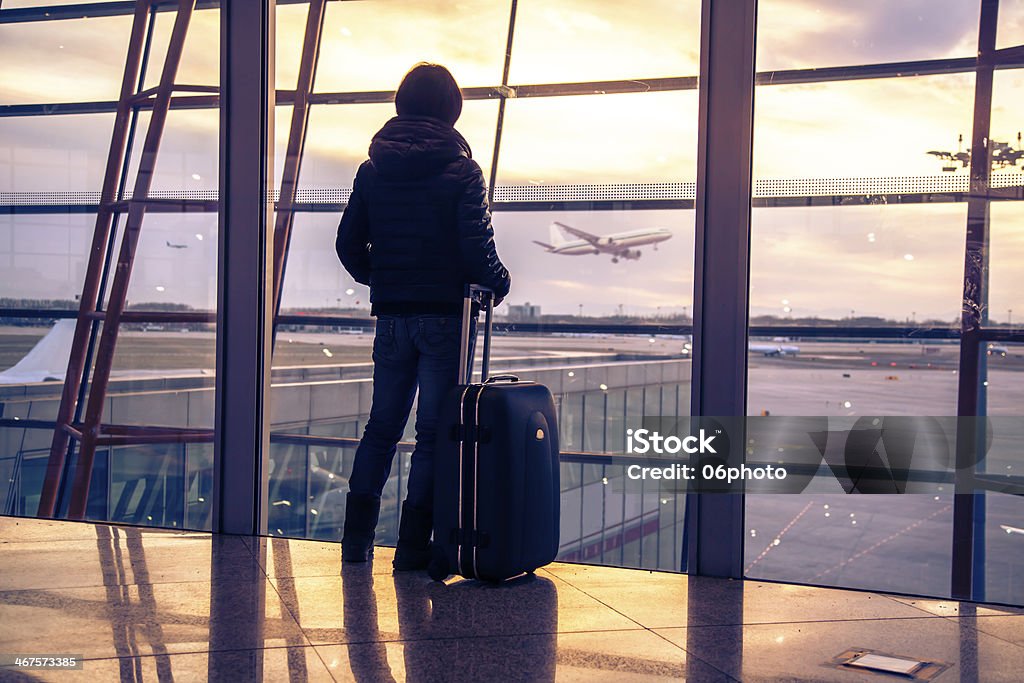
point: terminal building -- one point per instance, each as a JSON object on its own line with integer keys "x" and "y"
{"x": 799, "y": 223}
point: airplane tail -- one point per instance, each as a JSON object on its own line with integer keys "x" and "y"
{"x": 545, "y": 245}
{"x": 555, "y": 231}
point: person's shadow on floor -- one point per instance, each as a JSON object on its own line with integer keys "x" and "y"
{"x": 367, "y": 653}
{"x": 470, "y": 630}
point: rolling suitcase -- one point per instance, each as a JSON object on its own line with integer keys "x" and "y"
{"x": 496, "y": 473}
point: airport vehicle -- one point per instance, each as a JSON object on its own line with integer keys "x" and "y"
{"x": 620, "y": 245}
{"x": 997, "y": 350}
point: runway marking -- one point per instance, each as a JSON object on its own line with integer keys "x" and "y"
{"x": 881, "y": 543}
{"x": 778, "y": 536}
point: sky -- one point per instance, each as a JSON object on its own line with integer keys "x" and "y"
{"x": 818, "y": 259}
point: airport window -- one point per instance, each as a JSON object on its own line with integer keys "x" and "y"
{"x": 155, "y": 382}
{"x": 586, "y": 128}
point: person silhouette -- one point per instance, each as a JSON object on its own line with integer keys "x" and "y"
{"x": 417, "y": 230}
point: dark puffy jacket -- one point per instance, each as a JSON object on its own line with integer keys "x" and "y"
{"x": 417, "y": 227}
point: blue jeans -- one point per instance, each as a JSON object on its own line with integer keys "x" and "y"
{"x": 409, "y": 351}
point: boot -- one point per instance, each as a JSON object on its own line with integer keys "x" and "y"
{"x": 361, "y": 512}
{"x": 413, "y": 551}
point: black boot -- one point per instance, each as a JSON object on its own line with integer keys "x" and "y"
{"x": 361, "y": 512}
{"x": 413, "y": 551}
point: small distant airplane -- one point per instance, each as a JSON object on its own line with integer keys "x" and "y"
{"x": 618, "y": 245}
{"x": 776, "y": 348}
{"x": 1002, "y": 155}
{"x": 176, "y": 246}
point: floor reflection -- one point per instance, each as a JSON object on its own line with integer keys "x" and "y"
{"x": 431, "y": 614}
{"x": 140, "y": 605}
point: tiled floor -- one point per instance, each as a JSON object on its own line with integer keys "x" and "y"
{"x": 157, "y": 605}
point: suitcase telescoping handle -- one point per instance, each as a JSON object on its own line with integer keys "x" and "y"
{"x": 485, "y": 298}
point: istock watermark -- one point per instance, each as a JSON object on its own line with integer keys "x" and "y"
{"x": 783, "y": 454}
{"x": 643, "y": 441}
{"x": 707, "y": 472}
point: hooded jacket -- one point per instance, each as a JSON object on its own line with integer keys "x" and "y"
{"x": 417, "y": 227}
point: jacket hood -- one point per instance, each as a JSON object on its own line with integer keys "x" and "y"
{"x": 415, "y": 146}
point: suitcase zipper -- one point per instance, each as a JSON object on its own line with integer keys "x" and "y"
{"x": 476, "y": 473}
{"x": 462, "y": 467}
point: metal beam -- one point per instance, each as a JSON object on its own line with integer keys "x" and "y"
{"x": 970, "y": 392}
{"x": 1008, "y": 58}
{"x": 503, "y": 96}
{"x": 111, "y": 8}
{"x": 244, "y": 294}
{"x": 721, "y": 263}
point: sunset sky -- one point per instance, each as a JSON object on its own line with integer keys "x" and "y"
{"x": 820, "y": 259}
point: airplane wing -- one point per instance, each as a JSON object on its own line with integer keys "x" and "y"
{"x": 576, "y": 232}
{"x": 545, "y": 245}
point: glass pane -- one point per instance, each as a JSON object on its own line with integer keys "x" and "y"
{"x": 187, "y": 164}
{"x": 652, "y": 282}
{"x": 798, "y": 35}
{"x": 176, "y": 263}
{"x": 648, "y": 137}
{"x": 1011, "y": 23}
{"x": 314, "y": 280}
{"x": 162, "y": 369}
{"x": 43, "y": 258}
{"x": 856, "y": 227}
{"x": 1003, "y": 360}
{"x": 577, "y": 41}
{"x": 322, "y": 372}
{"x": 74, "y": 60}
{"x": 1003, "y": 552}
{"x": 55, "y": 156}
{"x": 897, "y": 543}
{"x": 857, "y": 265}
{"x": 883, "y": 128}
{"x": 22, "y": 460}
{"x": 1006, "y": 253}
{"x": 339, "y": 137}
{"x": 290, "y": 32}
{"x": 467, "y": 37}
{"x": 200, "y": 59}
{"x": 146, "y": 485}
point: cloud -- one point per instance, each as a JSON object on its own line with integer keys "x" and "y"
{"x": 796, "y": 34}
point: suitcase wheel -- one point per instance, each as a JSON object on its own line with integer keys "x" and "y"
{"x": 438, "y": 567}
